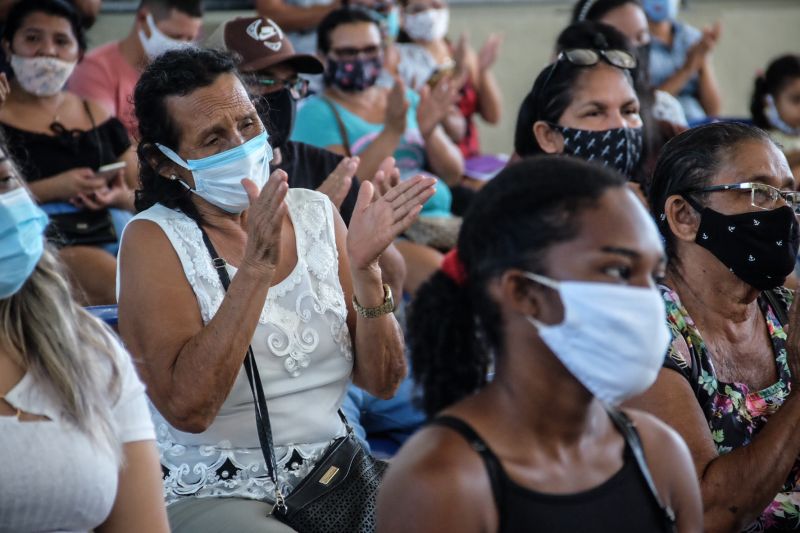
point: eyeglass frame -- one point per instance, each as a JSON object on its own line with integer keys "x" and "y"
{"x": 601, "y": 55}
{"x": 752, "y": 186}
{"x": 292, "y": 84}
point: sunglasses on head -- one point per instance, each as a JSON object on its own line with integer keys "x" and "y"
{"x": 587, "y": 57}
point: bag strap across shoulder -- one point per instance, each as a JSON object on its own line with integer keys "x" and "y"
{"x": 626, "y": 426}
{"x": 340, "y": 123}
{"x": 263, "y": 426}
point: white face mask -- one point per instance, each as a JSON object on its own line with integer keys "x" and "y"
{"x": 218, "y": 178}
{"x": 613, "y": 338}
{"x": 429, "y": 25}
{"x": 42, "y": 76}
{"x": 158, "y": 42}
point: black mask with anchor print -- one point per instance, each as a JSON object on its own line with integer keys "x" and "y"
{"x": 760, "y": 247}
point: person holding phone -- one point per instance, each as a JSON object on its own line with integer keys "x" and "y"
{"x": 64, "y": 144}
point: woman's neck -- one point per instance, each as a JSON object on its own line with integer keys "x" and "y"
{"x": 219, "y": 220}
{"x": 546, "y": 401}
{"x": 711, "y": 293}
{"x": 354, "y": 100}
{"x": 439, "y": 49}
{"x": 20, "y": 96}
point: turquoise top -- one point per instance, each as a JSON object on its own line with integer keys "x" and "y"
{"x": 316, "y": 125}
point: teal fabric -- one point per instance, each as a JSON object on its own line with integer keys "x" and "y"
{"x": 316, "y": 125}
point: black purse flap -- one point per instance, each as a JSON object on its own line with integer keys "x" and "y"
{"x": 327, "y": 474}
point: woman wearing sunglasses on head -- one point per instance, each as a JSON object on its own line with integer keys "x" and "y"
{"x": 724, "y": 199}
{"x": 553, "y": 288}
{"x": 585, "y": 105}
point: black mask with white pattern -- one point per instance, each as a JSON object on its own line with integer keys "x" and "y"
{"x": 760, "y": 247}
{"x": 618, "y": 148}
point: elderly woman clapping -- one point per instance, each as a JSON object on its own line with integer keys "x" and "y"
{"x": 297, "y": 279}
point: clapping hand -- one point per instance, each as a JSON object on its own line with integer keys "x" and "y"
{"x": 396, "y": 107}
{"x": 265, "y": 221}
{"x": 378, "y": 221}
{"x": 489, "y": 52}
{"x": 387, "y": 176}
{"x": 435, "y": 104}
{"x": 338, "y": 183}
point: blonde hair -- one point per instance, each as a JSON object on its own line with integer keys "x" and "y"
{"x": 59, "y": 343}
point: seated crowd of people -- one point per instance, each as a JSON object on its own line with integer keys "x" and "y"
{"x": 265, "y": 278}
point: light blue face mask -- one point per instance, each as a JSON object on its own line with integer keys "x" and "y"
{"x": 392, "y": 22}
{"x": 218, "y": 178}
{"x": 661, "y": 10}
{"x": 22, "y": 226}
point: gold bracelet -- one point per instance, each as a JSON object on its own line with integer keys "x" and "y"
{"x": 374, "y": 312}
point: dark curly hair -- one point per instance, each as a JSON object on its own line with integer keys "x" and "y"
{"x": 174, "y": 73}
{"x": 690, "y": 161}
{"x": 780, "y": 72}
{"x": 59, "y": 8}
{"x": 454, "y": 329}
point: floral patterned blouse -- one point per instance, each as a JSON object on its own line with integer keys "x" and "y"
{"x": 734, "y": 413}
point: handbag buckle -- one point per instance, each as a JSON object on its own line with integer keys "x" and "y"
{"x": 219, "y": 263}
{"x": 280, "y": 503}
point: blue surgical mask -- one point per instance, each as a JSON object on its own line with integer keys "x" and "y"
{"x": 661, "y": 10}
{"x": 218, "y": 178}
{"x": 22, "y": 226}
{"x": 392, "y": 23}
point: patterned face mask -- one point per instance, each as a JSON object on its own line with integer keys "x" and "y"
{"x": 42, "y": 76}
{"x": 353, "y": 75}
{"x": 618, "y": 148}
{"x": 760, "y": 247}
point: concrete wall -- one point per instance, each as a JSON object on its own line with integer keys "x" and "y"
{"x": 753, "y": 32}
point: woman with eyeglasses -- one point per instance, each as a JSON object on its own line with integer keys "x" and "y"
{"x": 354, "y": 116}
{"x": 553, "y": 290}
{"x": 585, "y": 105}
{"x": 723, "y": 197}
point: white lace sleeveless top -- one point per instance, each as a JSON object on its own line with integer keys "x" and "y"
{"x": 303, "y": 350}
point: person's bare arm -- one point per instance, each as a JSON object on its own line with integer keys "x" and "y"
{"x": 436, "y": 483}
{"x": 708, "y": 90}
{"x": 294, "y": 18}
{"x": 380, "y": 363}
{"x": 139, "y": 504}
{"x": 455, "y": 125}
{"x": 444, "y": 157}
{"x": 490, "y": 99}
{"x": 189, "y": 368}
{"x": 757, "y": 471}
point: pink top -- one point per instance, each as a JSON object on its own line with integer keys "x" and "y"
{"x": 107, "y": 78}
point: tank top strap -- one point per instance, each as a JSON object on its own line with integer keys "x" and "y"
{"x": 633, "y": 444}
{"x": 493, "y": 466}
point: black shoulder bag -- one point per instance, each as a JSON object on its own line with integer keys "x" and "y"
{"x": 339, "y": 494}
{"x": 84, "y": 227}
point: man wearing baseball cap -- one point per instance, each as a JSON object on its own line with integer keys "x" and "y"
{"x": 272, "y": 69}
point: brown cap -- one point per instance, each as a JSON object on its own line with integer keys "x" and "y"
{"x": 261, "y": 44}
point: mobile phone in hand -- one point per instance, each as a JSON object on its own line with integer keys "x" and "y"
{"x": 109, "y": 172}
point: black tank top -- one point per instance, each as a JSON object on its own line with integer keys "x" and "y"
{"x": 626, "y": 502}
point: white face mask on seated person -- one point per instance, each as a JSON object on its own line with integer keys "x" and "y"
{"x": 218, "y": 178}
{"x": 613, "y": 338}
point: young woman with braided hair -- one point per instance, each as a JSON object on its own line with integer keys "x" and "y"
{"x": 552, "y": 288}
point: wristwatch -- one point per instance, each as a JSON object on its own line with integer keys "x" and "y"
{"x": 374, "y": 312}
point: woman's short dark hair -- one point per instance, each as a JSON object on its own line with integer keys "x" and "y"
{"x": 345, "y": 15}
{"x": 59, "y": 8}
{"x": 174, "y": 73}
{"x": 780, "y": 72}
{"x": 689, "y": 161}
{"x": 596, "y": 9}
{"x": 548, "y": 102}
{"x": 454, "y": 329}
